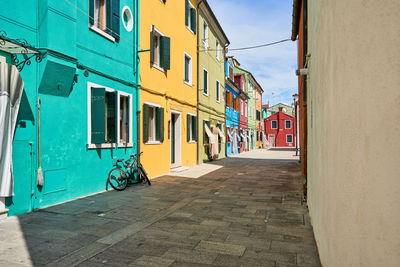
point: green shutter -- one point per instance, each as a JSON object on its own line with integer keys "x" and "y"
{"x": 109, "y": 13}
{"x": 165, "y": 46}
{"x": 145, "y": 123}
{"x": 194, "y": 128}
{"x": 152, "y": 52}
{"x": 98, "y": 111}
{"x": 205, "y": 78}
{"x": 160, "y": 124}
{"x": 187, "y": 13}
{"x": 188, "y": 119}
{"x": 115, "y": 19}
{"x": 112, "y": 117}
{"x": 193, "y": 19}
{"x": 91, "y": 12}
{"x": 217, "y": 92}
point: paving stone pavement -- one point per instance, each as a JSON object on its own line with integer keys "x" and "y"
{"x": 247, "y": 213}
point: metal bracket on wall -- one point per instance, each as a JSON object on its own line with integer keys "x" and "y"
{"x": 18, "y": 47}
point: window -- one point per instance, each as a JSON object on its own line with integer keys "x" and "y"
{"x": 205, "y": 35}
{"x": 109, "y": 113}
{"x": 289, "y": 138}
{"x": 188, "y": 69}
{"x": 192, "y": 125}
{"x": 190, "y": 17}
{"x": 258, "y": 115}
{"x": 241, "y": 108}
{"x": 217, "y": 91}
{"x": 153, "y": 123}
{"x": 274, "y": 124}
{"x": 217, "y": 49}
{"x": 160, "y": 50}
{"x": 245, "y": 109}
{"x": 104, "y": 18}
{"x": 288, "y": 124}
{"x": 205, "y": 82}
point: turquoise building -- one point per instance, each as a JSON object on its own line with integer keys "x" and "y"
{"x": 79, "y": 103}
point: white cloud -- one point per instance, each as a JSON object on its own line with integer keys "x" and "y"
{"x": 257, "y": 23}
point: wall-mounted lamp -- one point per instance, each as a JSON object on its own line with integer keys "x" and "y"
{"x": 302, "y": 72}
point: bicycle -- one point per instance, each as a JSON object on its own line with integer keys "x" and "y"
{"x": 118, "y": 178}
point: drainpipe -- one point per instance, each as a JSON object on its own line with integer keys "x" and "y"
{"x": 137, "y": 80}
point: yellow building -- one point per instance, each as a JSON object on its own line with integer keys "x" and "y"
{"x": 168, "y": 78}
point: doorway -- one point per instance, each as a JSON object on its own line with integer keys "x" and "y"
{"x": 175, "y": 139}
{"x": 271, "y": 139}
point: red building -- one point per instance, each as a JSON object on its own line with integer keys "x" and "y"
{"x": 240, "y": 82}
{"x": 280, "y": 129}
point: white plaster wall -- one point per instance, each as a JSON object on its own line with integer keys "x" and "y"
{"x": 353, "y": 131}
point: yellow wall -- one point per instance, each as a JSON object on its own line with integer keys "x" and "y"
{"x": 168, "y": 89}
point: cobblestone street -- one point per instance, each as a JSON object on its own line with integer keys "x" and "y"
{"x": 247, "y": 213}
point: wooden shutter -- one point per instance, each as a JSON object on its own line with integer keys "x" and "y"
{"x": 115, "y": 19}
{"x": 193, "y": 19}
{"x": 165, "y": 46}
{"x": 205, "y": 79}
{"x": 112, "y": 117}
{"x": 109, "y": 12}
{"x": 194, "y": 128}
{"x": 231, "y": 73}
{"x": 187, "y": 13}
{"x": 152, "y": 52}
{"x": 146, "y": 112}
{"x": 160, "y": 124}
{"x": 91, "y": 12}
{"x": 188, "y": 120}
{"x": 98, "y": 111}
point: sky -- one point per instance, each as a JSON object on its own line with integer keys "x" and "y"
{"x": 255, "y": 22}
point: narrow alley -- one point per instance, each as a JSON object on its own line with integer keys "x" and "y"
{"x": 248, "y": 212}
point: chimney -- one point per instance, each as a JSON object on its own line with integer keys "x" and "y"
{"x": 280, "y": 108}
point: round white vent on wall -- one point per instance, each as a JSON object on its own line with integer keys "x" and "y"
{"x": 127, "y": 18}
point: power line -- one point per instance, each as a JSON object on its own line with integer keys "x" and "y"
{"x": 250, "y": 47}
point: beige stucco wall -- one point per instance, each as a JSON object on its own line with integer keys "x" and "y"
{"x": 353, "y": 130}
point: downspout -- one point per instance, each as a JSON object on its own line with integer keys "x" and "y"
{"x": 198, "y": 73}
{"x": 137, "y": 80}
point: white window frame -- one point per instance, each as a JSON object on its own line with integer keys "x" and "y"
{"x": 97, "y": 29}
{"x": 218, "y": 94}
{"x": 245, "y": 109}
{"x": 130, "y": 141}
{"x": 153, "y": 106}
{"x": 190, "y": 18}
{"x": 90, "y": 85}
{"x": 191, "y": 129}
{"x": 159, "y": 34}
{"x": 287, "y": 138}
{"x": 208, "y": 78}
{"x": 276, "y": 124}
{"x": 205, "y": 35}
{"x": 290, "y": 124}
{"x": 190, "y": 82}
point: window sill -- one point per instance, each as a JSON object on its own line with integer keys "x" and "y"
{"x": 187, "y": 27}
{"x": 158, "y": 67}
{"x": 100, "y": 146}
{"x": 205, "y": 94}
{"x": 192, "y": 142}
{"x": 102, "y": 33}
{"x": 188, "y": 83}
{"x": 153, "y": 143}
{"x": 125, "y": 144}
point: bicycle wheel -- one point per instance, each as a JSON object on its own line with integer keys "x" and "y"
{"x": 143, "y": 174}
{"x": 118, "y": 179}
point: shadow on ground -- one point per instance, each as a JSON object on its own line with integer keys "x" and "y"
{"x": 248, "y": 213}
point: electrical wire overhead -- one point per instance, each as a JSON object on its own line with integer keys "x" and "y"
{"x": 250, "y": 47}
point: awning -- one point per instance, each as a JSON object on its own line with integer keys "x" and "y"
{"x": 222, "y": 135}
{"x": 210, "y": 135}
{"x": 11, "y": 86}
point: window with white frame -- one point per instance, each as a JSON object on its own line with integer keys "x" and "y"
{"x": 274, "y": 124}
{"x": 188, "y": 69}
{"x": 217, "y": 91}
{"x": 245, "y": 109}
{"x": 190, "y": 17}
{"x": 205, "y": 82}
{"x": 153, "y": 123}
{"x": 288, "y": 124}
{"x": 192, "y": 126}
{"x": 217, "y": 49}
{"x": 289, "y": 138}
{"x": 109, "y": 113}
{"x": 205, "y": 34}
{"x": 100, "y": 11}
{"x": 241, "y": 108}
{"x": 159, "y": 50}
